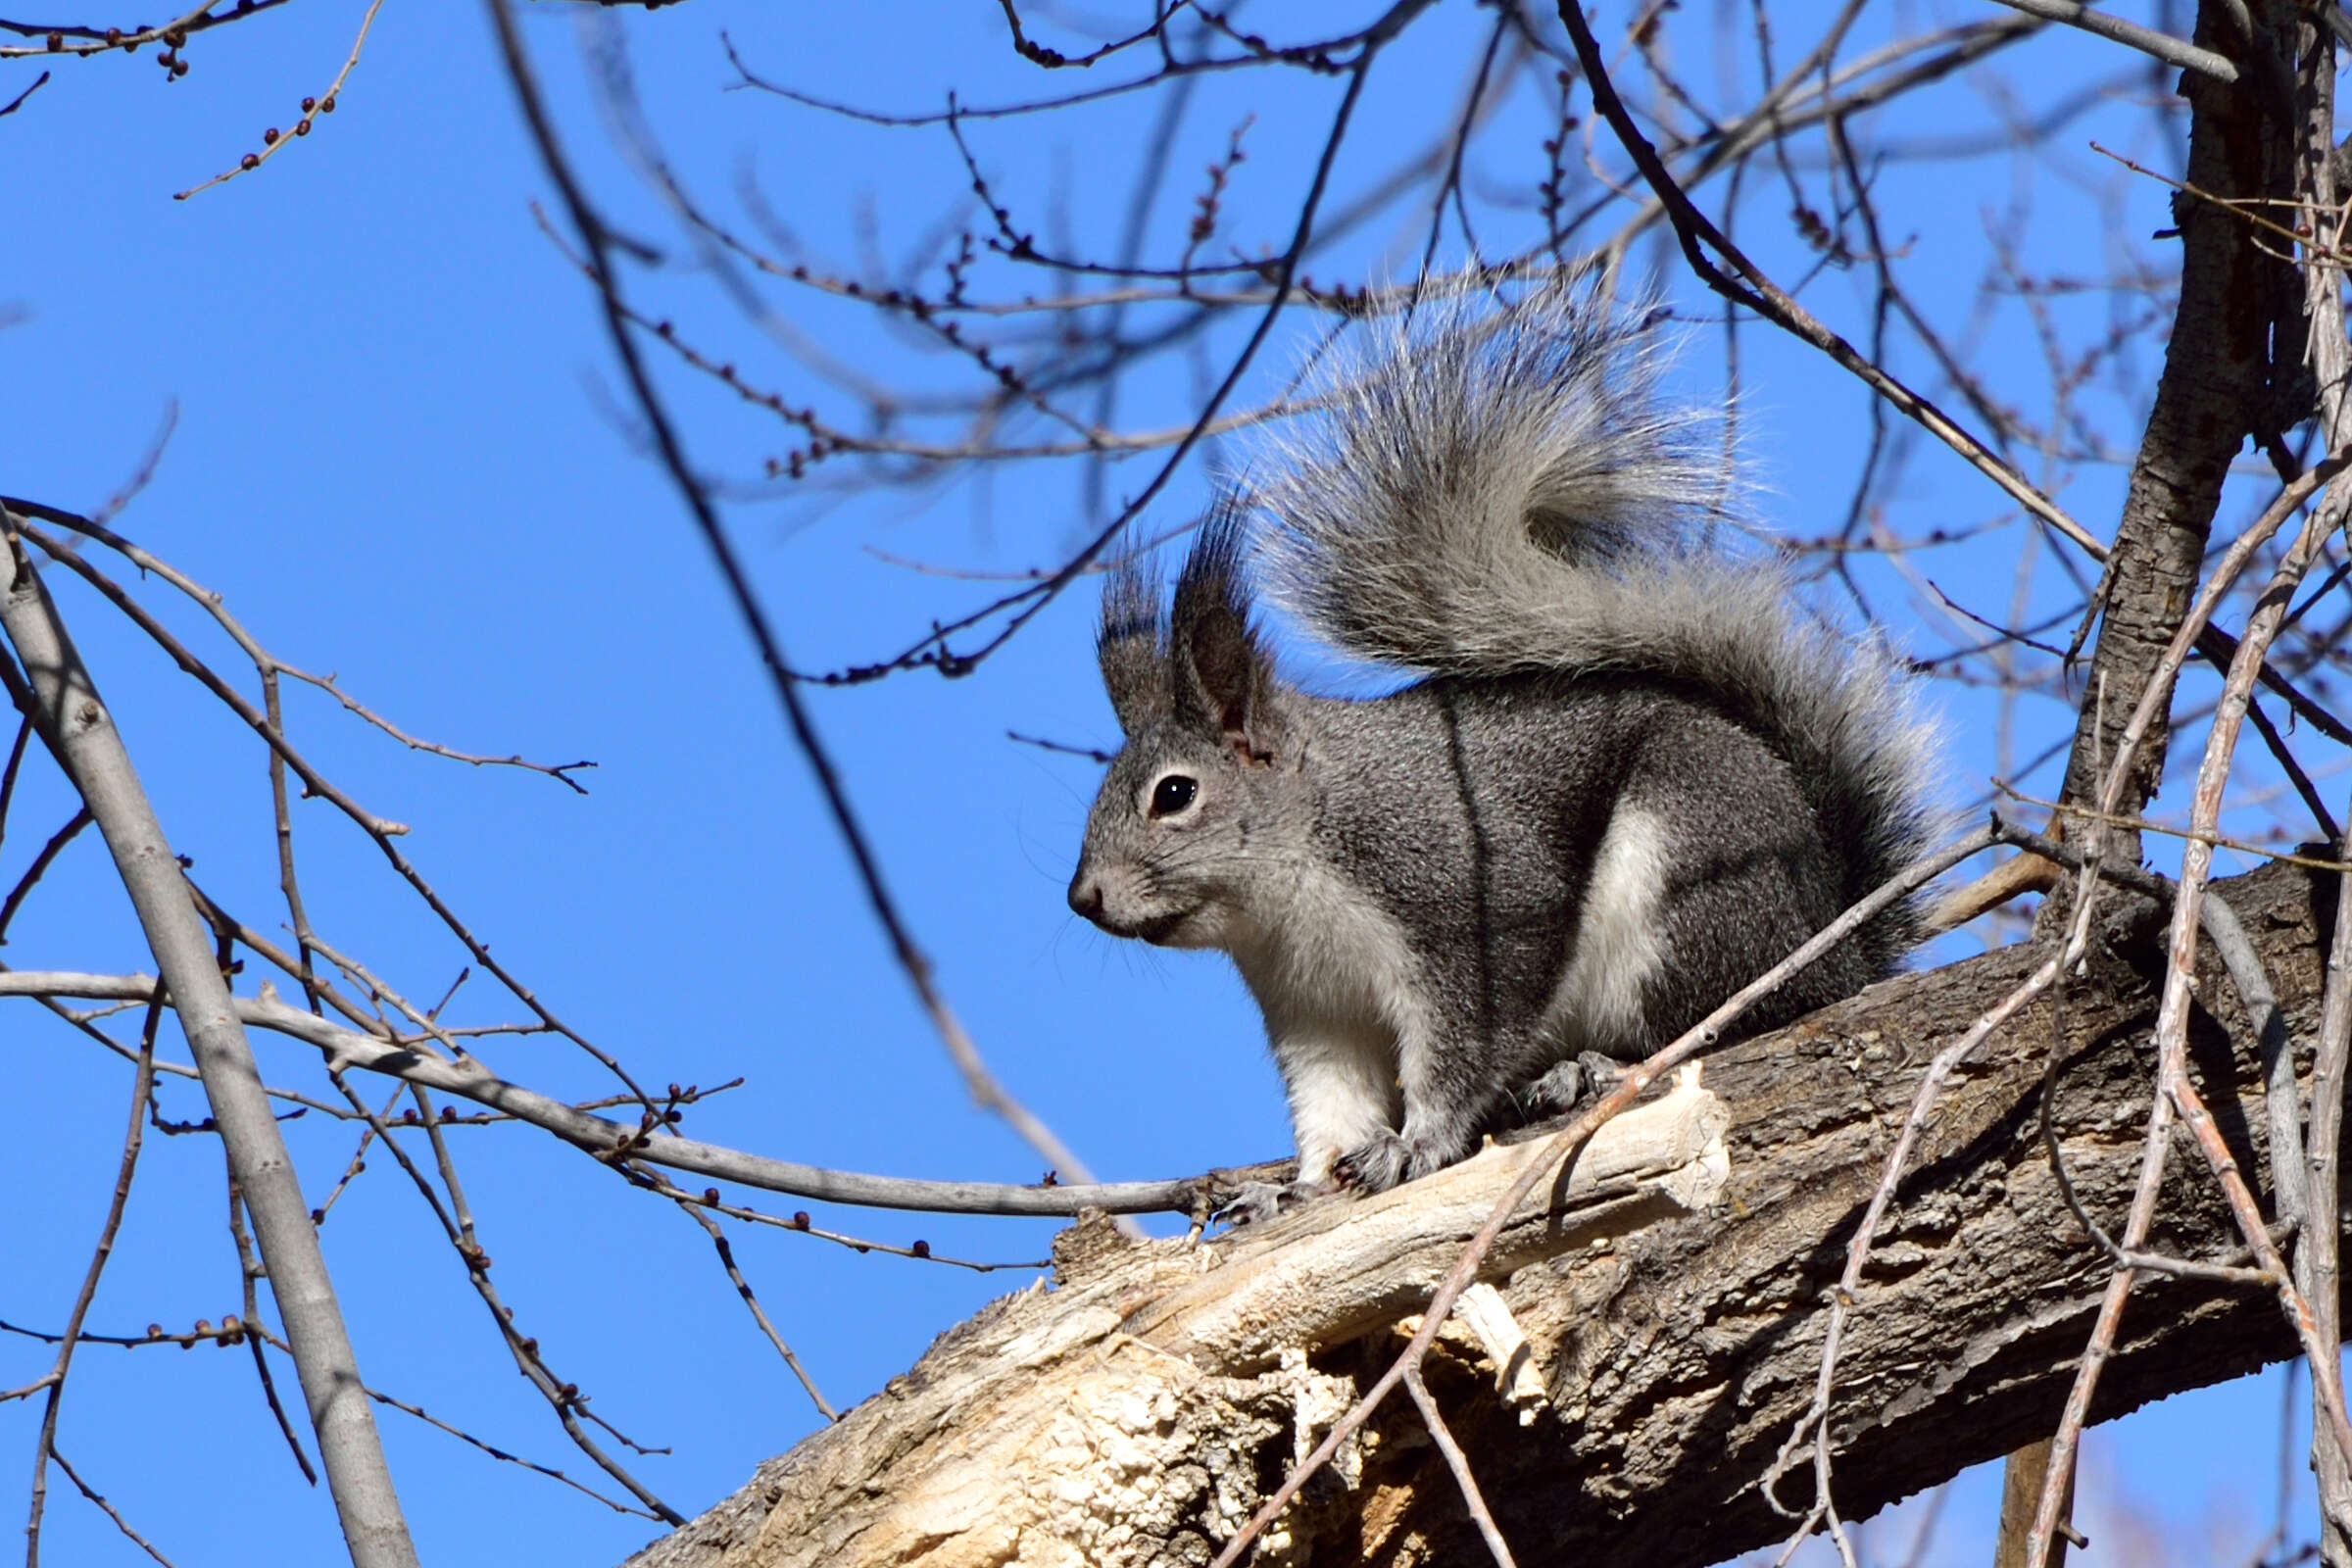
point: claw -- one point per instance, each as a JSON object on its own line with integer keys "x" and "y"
{"x": 1259, "y": 1202}
{"x": 1569, "y": 1084}
{"x": 1601, "y": 1073}
{"x": 1376, "y": 1166}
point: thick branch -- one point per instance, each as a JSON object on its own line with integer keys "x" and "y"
{"x": 1138, "y": 1415}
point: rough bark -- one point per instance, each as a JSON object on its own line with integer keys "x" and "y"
{"x": 1136, "y": 1413}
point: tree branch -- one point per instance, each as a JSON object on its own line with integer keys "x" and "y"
{"x": 56, "y": 691}
{"x": 1165, "y": 1388}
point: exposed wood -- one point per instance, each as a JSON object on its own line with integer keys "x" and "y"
{"x": 2022, "y": 1481}
{"x": 1137, "y": 1412}
{"x": 2019, "y": 874}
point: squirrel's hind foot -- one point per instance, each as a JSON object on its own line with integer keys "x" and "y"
{"x": 1569, "y": 1084}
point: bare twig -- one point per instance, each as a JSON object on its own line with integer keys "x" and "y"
{"x": 1811, "y": 1434}
{"x": 595, "y": 240}
{"x": 456, "y": 1219}
{"x": 1757, "y": 292}
{"x": 104, "y": 1506}
{"x": 273, "y": 142}
{"x": 1459, "y": 1463}
{"x": 39, "y": 868}
{"x": 142, "y": 1083}
{"x": 2174, "y": 1090}
{"x": 504, "y": 1457}
{"x": 2157, "y": 45}
{"x": 382, "y": 831}
{"x": 609, "y": 1140}
{"x": 743, "y": 1287}
{"x": 90, "y": 40}
{"x": 2318, "y": 1245}
{"x": 2172, "y": 1021}
{"x": 249, "y": 1274}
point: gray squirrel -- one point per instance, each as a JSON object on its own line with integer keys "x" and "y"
{"x": 1630, "y": 778}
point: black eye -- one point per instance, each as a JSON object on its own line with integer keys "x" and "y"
{"x": 1173, "y": 794}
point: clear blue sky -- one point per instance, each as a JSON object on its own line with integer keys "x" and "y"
{"x": 400, "y": 456}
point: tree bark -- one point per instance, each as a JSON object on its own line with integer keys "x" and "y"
{"x": 1137, "y": 1413}
{"x": 2216, "y": 389}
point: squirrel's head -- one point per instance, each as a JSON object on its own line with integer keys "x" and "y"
{"x": 1187, "y": 840}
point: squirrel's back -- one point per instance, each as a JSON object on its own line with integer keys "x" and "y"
{"x": 1497, "y": 490}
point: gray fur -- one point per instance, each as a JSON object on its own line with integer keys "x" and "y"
{"x": 1631, "y": 779}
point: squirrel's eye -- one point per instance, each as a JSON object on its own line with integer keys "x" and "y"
{"x": 1173, "y": 794}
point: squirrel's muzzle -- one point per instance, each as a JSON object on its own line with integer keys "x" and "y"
{"x": 1111, "y": 893}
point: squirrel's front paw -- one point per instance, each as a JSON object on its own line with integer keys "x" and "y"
{"x": 1376, "y": 1166}
{"x": 1394, "y": 1157}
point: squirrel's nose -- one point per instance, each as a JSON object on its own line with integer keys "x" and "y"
{"x": 1086, "y": 895}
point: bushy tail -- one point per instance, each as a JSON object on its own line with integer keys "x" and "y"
{"x": 1499, "y": 489}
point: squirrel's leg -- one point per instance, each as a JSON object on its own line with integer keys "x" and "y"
{"x": 1448, "y": 1100}
{"x": 1446, "y": 1097}
{"x": 1342, "y": 1094}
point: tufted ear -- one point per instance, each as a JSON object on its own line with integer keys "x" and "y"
{"x": 1132, "y": 645}
{"x": 1223, "y": 675}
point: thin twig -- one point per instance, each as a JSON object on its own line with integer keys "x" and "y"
{"x": 2171, "y": 1017}
{"x": 563, "y": 1398}
{"x": 743, "y": 1287}
{"x": 2187, "y": 835}
{"x": 594, "y": 237}
{"x": 1811, "y": 1433}
{"x": 1766, "y": 298}
{"x": 41, "y": 868}
{"x": 249, "y": 1270}
{"x": 273, "y": 143}
{"x": 106, "y": 1507}
{"x": 2157, "y": 45}
{"x": 609, "y": 1140}
{"x": 504, "y": 1457}
{"x": 382, "y": 831}
{"x": 2152, "y": 699}
{"x": 142, "y": 1083}
{"x": 1459, "y": 1463}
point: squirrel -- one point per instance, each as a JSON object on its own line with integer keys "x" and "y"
{"x": 1629, "y": 777}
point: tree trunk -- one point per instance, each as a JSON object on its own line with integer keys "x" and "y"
{"x": 1137, "y": 1413}
{"x": 2217, "y": 388}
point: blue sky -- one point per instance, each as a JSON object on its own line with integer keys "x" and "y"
{"x": 398, "y": 452}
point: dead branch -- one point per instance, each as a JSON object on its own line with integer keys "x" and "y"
{"x": 1137, "y": 1414}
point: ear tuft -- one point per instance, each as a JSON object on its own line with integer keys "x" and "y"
{"x": 1224, "y": 676}
{"x": 1132, "y": 645}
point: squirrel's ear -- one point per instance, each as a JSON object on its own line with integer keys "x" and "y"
{"x": 1224, "y": 676}
{"x": 1132, "y": 645}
